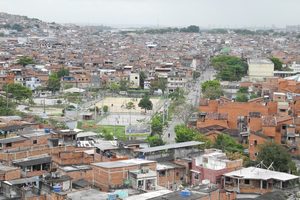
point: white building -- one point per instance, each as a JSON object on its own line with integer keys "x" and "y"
{"x": 32, "y": 82}
{"x": 134, "y": 80}
{"x": 295, "y": 67}
{"x": 259, "y": 69}
{"x": 176, "y": 82}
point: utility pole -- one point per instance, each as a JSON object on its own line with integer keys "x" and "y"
{"x": 95, "y": 108}
{"x": 6, "y": 98}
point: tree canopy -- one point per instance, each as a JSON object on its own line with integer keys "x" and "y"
{"x": 277, "y": 63}
{"x": 230, "y": 68}
{"x": 278, "y": 155}
{"x": 114, "y": 87}
{"x": 241, "y": 97}
{"x": 212, "y": 89}
{"x": 156, "y": 125}
{"x": 146, "y": 103}
{"x": 63, "y": 72}
{"x": 159, "y": 83}
{"x": 228, "y": 144}
{"x": 185, "y": 134}
{"x": 177, "y": 95}
{"x": 25, "y": 60}
{"x": 53, "y": 83}
{"x": 6, "y": 107}
{"x": 191, "y": 29}
{"x": 143, "y": 77}
{"x": 155, "y": 140}
{"x": 19, "y": 92}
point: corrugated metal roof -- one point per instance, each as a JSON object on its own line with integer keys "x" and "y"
{"x": 170, "y": 146}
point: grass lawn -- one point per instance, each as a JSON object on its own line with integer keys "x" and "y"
{"x": 117, "y": 131}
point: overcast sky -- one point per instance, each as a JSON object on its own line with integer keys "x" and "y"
{"x": 204, "y": 13}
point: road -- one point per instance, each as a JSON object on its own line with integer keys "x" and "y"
{"x": 193, "y": 98}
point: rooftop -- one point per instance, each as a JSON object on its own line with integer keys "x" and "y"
{"x": 170, "y": 146}
{"x": 122, "y": 163}
{"x": 177, "y": 196}
{"x": 148, "y": 195}
{"x": 34, "y": 160}
{"x": 259, "y": 61}
{"x": 260, "y": 174}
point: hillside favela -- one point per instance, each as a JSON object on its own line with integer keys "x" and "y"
{"x": 149, "y": 100}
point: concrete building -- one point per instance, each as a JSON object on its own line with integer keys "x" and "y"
{"x": 211, "y": 166}
{"x": 176, "y": 82}
{"x": 134, "y": 80}
{"x": 257, "y": 180}
{"x": 136, "y": 173}
{"x": 259, "y": 69}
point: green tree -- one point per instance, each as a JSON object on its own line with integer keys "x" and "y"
{"x": 146, "y": 103}
{"x": 19, "y": 92}
{"x": 227, "y": 144}
{"x": 25, "y": 60}
{"x": 201, "y": 138}
{"x": 162, "y": 84}
{"x": 211, "y": 83}
{"x": 213, "y": 93}
{"x": 253, "y": 96}
{"x": 241, "y": 97}
{"x": 106, "y": 135}
{"x": 277, "y": 63}
{"x": 191, "y": 29}
{"x": 17, "y": 27}
{"x": 7, "y": 107}
{"x": 243, "y": 90}
{"x": 230, "y": 68}
{"x": 105, "y": 109}
{"x": 212, "y": 89}
{"x": 177, "y": 95}
{"x": 114, "y": 87}
{"x": 124, "y": 84}
{"x": 53, "y": 83}
{"x": 274, "y": 153}
{"x": 156, "y": 125}
{"x": 155, "y": 140}
{"x": 184, "y": 134}
{"x": 143, "y": 77}
{"x": 63, "y": 72}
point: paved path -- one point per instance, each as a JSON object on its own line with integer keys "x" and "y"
{"x": 193, "y": 98}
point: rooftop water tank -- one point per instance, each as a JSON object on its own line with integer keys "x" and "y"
{"x": 185, "y": 193}
{"x": 57, "y": 188}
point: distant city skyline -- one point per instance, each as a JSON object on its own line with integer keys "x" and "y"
{"x": 203, "y": 13}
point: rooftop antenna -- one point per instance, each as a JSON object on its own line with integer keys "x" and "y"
{"x": 271, "y": 167}
{"x": 260, "y": 165}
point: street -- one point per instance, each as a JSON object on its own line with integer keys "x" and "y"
{"x": 193, "y": 98}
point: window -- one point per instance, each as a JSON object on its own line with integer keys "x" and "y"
{"x": 255, "y": 154}
{"x": 162, "y": 173}
{"x": 36, "y": 167}
{"x": 255, "y": 142}
{"x": 136, "y": 77}
{"x": 177, "y": 173}
{"x": 247, "y": 181}
{"x": 196, "y": 176}
{"x": 8, "y": 145}
{"x": 34, "y": 142}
